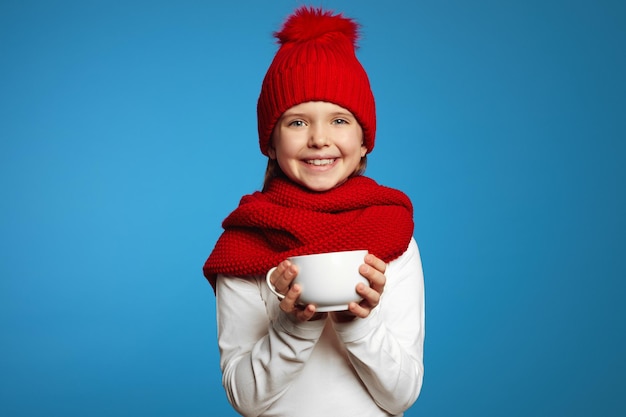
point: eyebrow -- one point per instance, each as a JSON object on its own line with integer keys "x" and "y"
{"x": 287, "y": 114}
{"x": 343, "y": 113}
{"x": 334, "y": 114}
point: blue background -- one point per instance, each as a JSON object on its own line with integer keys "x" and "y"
{"x": 128, "y": 132}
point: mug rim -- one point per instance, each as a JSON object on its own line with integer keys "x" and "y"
{"x": 320, "y": 254}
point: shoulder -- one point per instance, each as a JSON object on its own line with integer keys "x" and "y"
{"x": 409, "y": 263}
{"x": 412, "y": 251}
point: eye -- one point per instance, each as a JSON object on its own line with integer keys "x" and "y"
{"x": 340, "y": 121}
{"x": 296, "y": 123}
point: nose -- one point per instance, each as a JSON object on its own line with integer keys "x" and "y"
{"x": 318, "y": 137}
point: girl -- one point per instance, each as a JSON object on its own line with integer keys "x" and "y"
{"x": 317, "y": 123}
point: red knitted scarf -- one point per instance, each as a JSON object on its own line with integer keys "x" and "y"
{"x": 288, "y": 220}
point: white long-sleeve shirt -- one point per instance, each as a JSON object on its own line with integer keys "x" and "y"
{"x": 273, "y": 365}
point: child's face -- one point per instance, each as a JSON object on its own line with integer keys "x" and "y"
{"x": 317, "y": 144}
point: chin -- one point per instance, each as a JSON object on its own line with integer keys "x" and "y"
{"x": 321, "y": 186}
{"x": 319, "y": 189}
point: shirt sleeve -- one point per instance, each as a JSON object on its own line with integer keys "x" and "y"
{"x": 260, "y": 353}
{"x": 386, "y": 348}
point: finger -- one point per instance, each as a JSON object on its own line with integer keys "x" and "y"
{"x": 376, "y": 278}
{"x": 376, "y": 263}
{"x": 280, "y": 269}
{"x": 359, "y": 310}
{"x": 306, "y": 314}
{"x": 370, "y": 296}
{"x": 286, "y": 272}
{"x": 289, "y": 303}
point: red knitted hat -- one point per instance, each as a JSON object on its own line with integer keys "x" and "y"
{"x": 316, "y": 61}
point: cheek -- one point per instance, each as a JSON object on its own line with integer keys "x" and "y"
{"x": 288, "y": 148}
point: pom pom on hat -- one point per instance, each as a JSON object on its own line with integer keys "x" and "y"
{"x": 316, "y": 61}
{"x": 307, "y": 24}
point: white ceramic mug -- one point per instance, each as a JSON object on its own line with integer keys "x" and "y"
{"x": 328, "y": 280}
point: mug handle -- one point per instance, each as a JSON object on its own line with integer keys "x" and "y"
{"x": 271, "y": 286}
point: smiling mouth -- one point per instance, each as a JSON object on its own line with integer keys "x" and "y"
{"x": 320, "y": 162}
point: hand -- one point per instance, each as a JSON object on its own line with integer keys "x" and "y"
{"x": 374, "y": 270}
{"x": 282, "y": 279}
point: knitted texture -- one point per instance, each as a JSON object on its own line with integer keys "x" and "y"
{"x": 288, "y": 220}
{"x": 316, "y": 61}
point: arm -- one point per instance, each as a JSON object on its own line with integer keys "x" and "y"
{"x": 259, "y": 354}
{"x": 386, "y": 347}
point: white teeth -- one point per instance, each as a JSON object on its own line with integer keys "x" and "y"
{"x": 320, "y": 162}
